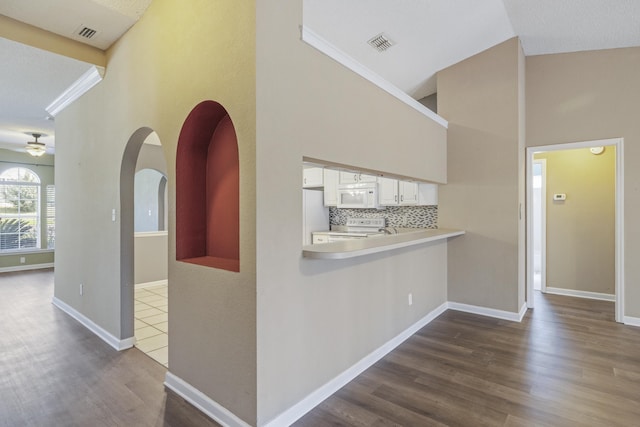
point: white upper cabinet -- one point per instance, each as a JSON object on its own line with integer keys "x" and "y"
{"x": 408, "y": 193}
{"x": 387, "y": 191}
{"x": 312, "y": 177}
{"x": 355, "y": 177}
{"x": 428, "y": 194}
{"x": 331, "y": 187}
{"x": 392, "y": 192}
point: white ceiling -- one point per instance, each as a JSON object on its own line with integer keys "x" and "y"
{"x": 433, "y": 34}
{"x": 30, "y": 78}
{"x": 556, "y": 26}
{"x": 429, "y": 34}
{"x": 110, "y": 18}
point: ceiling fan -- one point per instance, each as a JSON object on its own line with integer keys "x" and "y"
{"x": 36, "y": 148}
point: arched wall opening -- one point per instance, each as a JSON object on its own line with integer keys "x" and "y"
{"x": 127, "y": 229}
{"x": 208, "y": 189}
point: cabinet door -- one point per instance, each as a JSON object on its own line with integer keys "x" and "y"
{"x": 408, "y": 193}
{"x": 356, "y": 177}
{"x": 427, "y": 194}
{"x": 311, "y": 177}
{"x": 367, "y": 178}
{"x": 330, "y": 187}
{"x": 348, "y": 177}
{"x": 387, "y": 191}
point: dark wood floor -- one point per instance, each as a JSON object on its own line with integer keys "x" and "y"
{"x": 54, "y": 372}
{"x": 567, "y": 364}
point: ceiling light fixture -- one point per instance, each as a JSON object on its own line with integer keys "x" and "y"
{"x": 36, "y": 148}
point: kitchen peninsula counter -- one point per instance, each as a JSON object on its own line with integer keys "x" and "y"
{"x": 371, "y": 245}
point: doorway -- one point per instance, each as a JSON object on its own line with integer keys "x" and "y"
{"x": 576, "y": 256}
{"x": 151, "y": 254}
{"x": 539, "y": 217}
{"x": 144, "y": 245}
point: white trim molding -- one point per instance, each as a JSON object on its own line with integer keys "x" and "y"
{"x": 631, "y": 321}
{"x": 581, "y": 294}
{"x": 313, "y": 39}
{"x": 92, "y": 77}
{"x": 490, "y": 312}
{"x": 114, "y": 342}
{"x": 295, "y": 412}
{"x": 208, "y": 406}
{"x": 25, "y": 267}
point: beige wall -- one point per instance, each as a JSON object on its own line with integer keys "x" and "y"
{"x": 317, "y": 318}
{"x": 45, "y": 40}
{"x": 482, "y": 99}
{"x": 44, "y": 167}
{"x": 581, "y": 230}
{"x": 588, "y": 96}
{"x": 175, "y": 57}
{"x": 150, "y": 257}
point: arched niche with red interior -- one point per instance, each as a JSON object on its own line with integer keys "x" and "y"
{"x": 208, "y": 189}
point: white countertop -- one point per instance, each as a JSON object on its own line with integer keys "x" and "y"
{"x": 358, "y": 247}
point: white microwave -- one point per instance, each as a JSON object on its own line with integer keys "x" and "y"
{"x": 358, "y": 196}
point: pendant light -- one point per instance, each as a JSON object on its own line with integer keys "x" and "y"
{"x": 36, "y": 148}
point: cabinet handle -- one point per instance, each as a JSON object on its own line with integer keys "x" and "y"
{"x": 395, "y": 198}
{"x": 304, "y": 180}
{"x": 355, "y": 177}
{"x": 402, "y": 198}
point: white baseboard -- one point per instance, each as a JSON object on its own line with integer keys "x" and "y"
{"x": 291, "y": 415}
{"x": 489, "y": 312}
{"x": 26, "y": 267}
{"x": 581, "y": 294}
{"x": 209, "y": 407}
{"x": 523, "y": 311}
{"x": 114, "y": 342}
{"x": 151, "y": 284}
{"x": 631, "y": 321}
{"x": 295, "y": 412}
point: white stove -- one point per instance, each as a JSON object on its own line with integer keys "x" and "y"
{"x": 356, "y": 228}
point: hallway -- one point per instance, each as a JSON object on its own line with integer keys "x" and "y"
{"x": 54, "y": 372}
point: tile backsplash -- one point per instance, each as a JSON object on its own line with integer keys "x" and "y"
{"x": 396, "y": 216}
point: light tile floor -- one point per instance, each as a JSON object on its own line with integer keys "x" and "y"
{"x": 151, "y": 322}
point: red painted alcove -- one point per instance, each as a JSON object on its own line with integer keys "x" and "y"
{"x": 208, "y": 189}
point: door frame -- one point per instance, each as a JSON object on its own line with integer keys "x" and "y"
{"x": 618, "y": 143}
{"x": 543, "y": 225}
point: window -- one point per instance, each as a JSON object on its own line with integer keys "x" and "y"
{"x": 19, "y": 210}
{"x": 51, "y": 216}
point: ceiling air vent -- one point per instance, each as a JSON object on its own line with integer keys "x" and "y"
{"x": 381, "y": 42}
{"x": 86, "y": 32}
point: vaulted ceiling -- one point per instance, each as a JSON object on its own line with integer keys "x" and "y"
{"x": 30, "y": 78}
{"x": 428, "y": 35}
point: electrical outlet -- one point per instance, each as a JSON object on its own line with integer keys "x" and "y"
{"x": 81, "y": 289}
{"x": 22, "y": 260}
{"x": 410, "y": 299}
